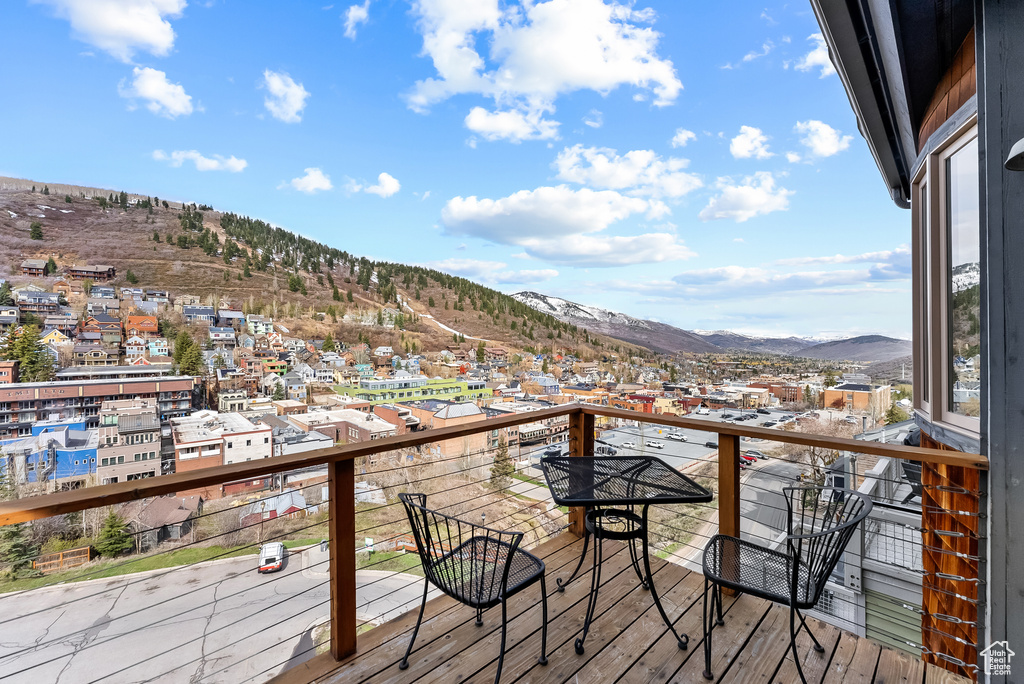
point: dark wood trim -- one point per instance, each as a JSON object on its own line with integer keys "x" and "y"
{"x": 341, "y": 483}
{"x": 729, "y": 491}
{"x": 855, "y": 445}
{"x": 581, "y": 443}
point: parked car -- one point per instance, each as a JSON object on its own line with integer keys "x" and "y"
{"x": 852, "y": 420}
{"x": 726, "y": 416}
{"x": 703, "y": 411}
{"x": 747, "y": 459}
{"x": 628, "y": 445}
{"x": 605, "y": 450}
{"x": 769, "y": 423}
{"x": 764, "y": 411}
{"x": 655, "y": 445}
{"x": 711, "y": 445}
{"x": 756, "y": 454}
{"x": 271, "y": 557}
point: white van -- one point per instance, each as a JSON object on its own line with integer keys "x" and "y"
{"x": 703, "y": 411}
{"x": 271, "y": 557}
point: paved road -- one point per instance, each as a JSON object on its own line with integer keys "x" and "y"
{"x": 213, "y": 622}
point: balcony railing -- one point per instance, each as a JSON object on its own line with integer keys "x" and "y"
{"x": 176, "y": 608}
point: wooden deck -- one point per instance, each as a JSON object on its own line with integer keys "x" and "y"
{"x": 628, "y": 641}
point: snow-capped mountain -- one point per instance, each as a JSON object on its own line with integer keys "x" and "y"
{"x": 966, "y": 276}
{"x": 651, "y": 334}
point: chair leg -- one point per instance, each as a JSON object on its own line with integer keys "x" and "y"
{"x": 479, "y": 617}
{"x": 504, "y": 628}
{"x": 544, "y": 626}
{"x": 558, "y": 580}
{"x": 682, "y": 640}
{"x": 707, "y": 620}
{"x": 415, "y": 630}
{"x": 817, "y": 647}
{"x": 793, "y": 630}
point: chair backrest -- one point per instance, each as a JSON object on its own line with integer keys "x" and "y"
{"x": 821, "y": 522}
{"x": 912, "y": 471}
{"x": 459, "y": 557}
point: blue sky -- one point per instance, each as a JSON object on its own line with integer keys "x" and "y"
{"x": 694, "y": 163}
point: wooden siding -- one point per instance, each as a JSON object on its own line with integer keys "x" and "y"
{"x": 958, "y": 85}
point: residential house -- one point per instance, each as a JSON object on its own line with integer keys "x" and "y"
{"x": 230, "y": 318}
{"x": 130, "y": 293}
{"x": 232, "y": 401}
{"x": 157, "y": 346}
{"x": 38, "y": 303}
{"x": 153, "y": 521}
{"x": 67, "y": 324}
{"x": 158, "y": 296}
{"x": 61, "y": 451}
{"x": 129, "y": 440}
{"x": 141, "y": 326}
{"x": 94, "y": 355}
{"x": 107, "y": 326}
{"x": 103, "y": 292}
{"x": 54, "y": 337}
{"x": 288, "y": 504}
{"x": 209, "y": 438}
{"x": 134, "y": 347}
{"x": 199, "y": 314}
{"x": 275, "y": 366}
{"x": 496, "y": 354}
{"x": 384, "y": 352}
{"x": 323, "y": 374}
{"x": 294, "y": 386}
{"x": 259, "y": 325}
{"x": 8, "y": 372}
{"x": 8, "y": 318}
{"x": 33, "y": 267}
{"x": 62, "y": 286}
{"x": 96, "y": 272}
{"x": 305, "y": 371}
{"x": 223, "y": 338}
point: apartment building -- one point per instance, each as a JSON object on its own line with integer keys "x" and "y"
{"x": 129, "y": 441}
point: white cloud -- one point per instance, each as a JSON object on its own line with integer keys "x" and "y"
{"x": 890, "y": 264}
{"x": 557, "y": 224}
{"x": 817, "y": 58}
{"x": 163, "y": 98}
{"x": 355, "y": 15}
{"x": 121, "y": 27}
{"x": 821, "y": 139}
{"x": 682, "y": 137}
{"x": 214, "y": 163}
{"x": 537, "y": 52}
{"x": 287, "y": 98}
{"x": 639, "y": 172}
{"x": 595, "y": 119}
{"x": 750, "y": 142}
{"x": 792, "y": 157}
{"x": 766, "y": 48}
{"x": 514, "y": 125}
{"x": 314, "y": 181}
{"x": 387, "y": 185}
{"x": 755, "y": 195}
{"x": 492, "y": 272}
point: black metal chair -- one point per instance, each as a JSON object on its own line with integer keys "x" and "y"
{"x": 821, "y": 522}
{"x": 475, "y": 565}
{"x": 912, "y": 473}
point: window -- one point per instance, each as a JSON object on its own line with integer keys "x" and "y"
{"x": 229, "y": 445}
{"x": 248, "y": 442}
{"x": 947, "y": 289}
{"x": 120, "y": 459}
{"x": 266, "y": 440}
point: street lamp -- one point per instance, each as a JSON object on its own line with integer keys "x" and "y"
{"x": 483, "y": 520}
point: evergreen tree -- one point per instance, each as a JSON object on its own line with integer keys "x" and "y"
{"x": 480, "y": 354}
{"x": 192, "y": 361}
{"x": 181, "y": 345}
{"x": 16, "y": 547}
{"x": 895, "y": 415}
{"x": 329, "y": 345}
{"x": 34, "y": 361}
{"x": 6, "y": 296}
{"x": 114, "y": 538}
{"x": 51, "y": 266}
{"x": 46, "y": 189}
{"x": 156, "y": 236}
{"x": 131, "y": 277}
{"x": 336, "y": 296}
{"x": 246, "y": 272}
{"x": 503, "y": 468}
{"x": 349, "y": 296}
{"x": 278, "y": 391}
{"x": 36, "y": 231}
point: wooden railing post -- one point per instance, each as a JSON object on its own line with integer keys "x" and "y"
{"x": 341, "y": 486}
{"x": 581, "y": 443}
{"x": 729, "y": 490}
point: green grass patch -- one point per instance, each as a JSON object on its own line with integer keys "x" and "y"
{"x": 390, "y": 561}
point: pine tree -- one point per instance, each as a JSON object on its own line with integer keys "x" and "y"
{"x": 114, "y": 538}
{"x": 336, "y": 296}
{"x": 349, "y": 296}
{"x": 503, "y": 468}
{"x": 278, "y": 391}
{"x": 895, "y": 415}
{"x": 16, "y": 547}
{"x": 36, "y": 231}
{"x": 192, "y": 361}
{"x": 246, "y": 272}
{"x": 329, "y": 343}
{"x": 480, "y": 354}
{"x": 51, "y": 266}
{"x": 46, "y": 189}
{"x": 156, "y": 236}
{"x": 6, "y": 296}
{"x": 181, "y": 345}
{"x": 131, "y": 277}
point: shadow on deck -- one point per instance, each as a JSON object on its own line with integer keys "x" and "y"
{"x": 628, "y": 641}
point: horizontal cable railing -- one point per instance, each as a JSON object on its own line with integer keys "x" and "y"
{"x": 368, "y": 548}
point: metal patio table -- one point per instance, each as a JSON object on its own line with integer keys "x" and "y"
{"x": 612, "y": 488}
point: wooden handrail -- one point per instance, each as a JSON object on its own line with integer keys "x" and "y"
{"x": 957, "y": 458}
{"x": 33, "y": 508}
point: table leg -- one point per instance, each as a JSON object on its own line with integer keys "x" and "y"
{"x": 595, "y": 584}
{"x": 634, "y": 557}
{"x": 586, "y": 540}
{"x": 682, "y": 640}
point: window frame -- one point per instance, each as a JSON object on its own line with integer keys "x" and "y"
{"x": 931, "y": 286}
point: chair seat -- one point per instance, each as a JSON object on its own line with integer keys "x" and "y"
{"x": 471, "y": 572}
{"x": 754, "y": 570}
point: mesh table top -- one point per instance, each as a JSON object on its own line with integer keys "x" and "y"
{"x": 618, "y": 481}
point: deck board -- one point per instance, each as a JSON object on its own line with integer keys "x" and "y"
{"x": 628, "y": 642}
